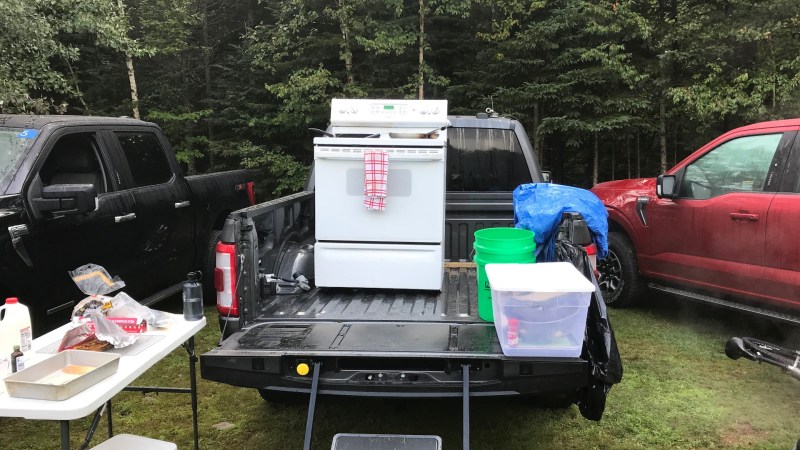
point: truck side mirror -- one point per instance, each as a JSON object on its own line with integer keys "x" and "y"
{"x": 665, "y": 186}
{"x": 67, "y": 199}
{"x": 547, "y": 177}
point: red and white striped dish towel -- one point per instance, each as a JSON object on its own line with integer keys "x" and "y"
{"x": 376, "y": 174}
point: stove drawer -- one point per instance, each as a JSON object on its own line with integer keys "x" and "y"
{"x": 380, "y": 266}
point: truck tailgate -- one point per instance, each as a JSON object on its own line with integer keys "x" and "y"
{"x": 379, "y": 339}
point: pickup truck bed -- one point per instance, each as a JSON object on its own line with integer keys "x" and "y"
{"x": 456, "y": 303}
{"x": 347, "y": 330}
{"x": 376, "y": 342}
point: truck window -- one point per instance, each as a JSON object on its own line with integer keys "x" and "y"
{"x": 145, "y": 157}
{"x": 74, "y": 159}
{"x": 484, "y": 159}
{"x": 739, "y": 165}
{"x": 12, "y": 148}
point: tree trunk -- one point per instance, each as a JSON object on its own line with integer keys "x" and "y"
{"x": 628, "y": 153}
{"x": 347, "y": 52}
{"x": 596, "y": 158}
{"x": 613, "y": 163}
{"x": 191, "y": 166}
{"x": 537, "y": 144}
{"x": 251, "y": 15}
{"x": 675, "y": 145}
{"x": 207, "y": 73}
{"x": 421, "y": 74}
{"x": 638, "y": 160}
{"x": 132, "y": 81}
{"x": 77, "y": 88}
{"x": 131, "y": 73}
{"x": 662, "y": 133}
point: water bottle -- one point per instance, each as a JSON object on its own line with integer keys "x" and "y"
{"x": 193, "y": 297}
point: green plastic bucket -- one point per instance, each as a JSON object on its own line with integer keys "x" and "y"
{"x": 497, "y": 246}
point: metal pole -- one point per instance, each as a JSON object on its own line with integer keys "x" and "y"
{"x": 110, "y": 425}
{"x": 193, "y": 382}
{"x": 465, "y": 371}
{"x": 312, "y": 404}
{"x": 64, "y": 435}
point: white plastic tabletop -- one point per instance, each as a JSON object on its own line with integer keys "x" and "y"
{"x": 86, "y": 402}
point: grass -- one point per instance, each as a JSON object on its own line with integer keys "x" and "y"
{"x": 678, "y": 391}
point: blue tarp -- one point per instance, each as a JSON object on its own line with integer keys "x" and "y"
{"x": 539, "y": 207}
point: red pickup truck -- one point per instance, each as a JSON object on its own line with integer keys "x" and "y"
{"x": 720, "y": 227}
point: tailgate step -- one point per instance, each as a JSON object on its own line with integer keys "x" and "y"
{"x": 345, "y": 441}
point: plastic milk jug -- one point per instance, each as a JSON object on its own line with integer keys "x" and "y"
{"x": 15, "y": 327}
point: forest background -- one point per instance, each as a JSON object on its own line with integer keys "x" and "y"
{"x": 606, "y": 89}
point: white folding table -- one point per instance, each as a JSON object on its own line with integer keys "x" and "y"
{"x": 155, "y": 344}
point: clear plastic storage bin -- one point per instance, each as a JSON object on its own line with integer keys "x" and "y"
{"x": 539, "y": 309}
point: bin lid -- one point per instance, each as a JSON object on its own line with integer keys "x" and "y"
{"x": 549, "y": 277}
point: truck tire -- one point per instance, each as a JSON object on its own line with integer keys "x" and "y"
{"x": 619, "y": 273}
{"x": 209, "y": 263}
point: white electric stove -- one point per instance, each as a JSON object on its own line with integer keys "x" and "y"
{"x": 400, "y": 247}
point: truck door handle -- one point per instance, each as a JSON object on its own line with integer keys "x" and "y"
{"x": 744, "y": 216}
{"x": 183, "y": 204}
{"x": 125, "y": 218}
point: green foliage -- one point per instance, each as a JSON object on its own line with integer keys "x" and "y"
{"x": 304, "y": 95}
{"x": 34, "y": 45}
{"x": 179, "y": 127}
{"x": 284, "y": 174}
{"x": 219, "y": 73}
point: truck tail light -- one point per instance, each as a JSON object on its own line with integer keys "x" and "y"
{"x": 591, "y": 250}
{"x": 251, "y": 192}
{"x": 225, "y": 280}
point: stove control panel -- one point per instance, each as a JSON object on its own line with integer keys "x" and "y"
{"x": 388, "y": 113}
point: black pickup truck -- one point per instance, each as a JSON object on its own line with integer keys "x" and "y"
{"x": 378, "y": 342}
{"x": 77, "y": 190}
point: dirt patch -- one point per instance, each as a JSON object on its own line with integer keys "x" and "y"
{"x": 742, "y": 435}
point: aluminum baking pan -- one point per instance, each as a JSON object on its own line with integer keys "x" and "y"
{"x": 62, "y": 375}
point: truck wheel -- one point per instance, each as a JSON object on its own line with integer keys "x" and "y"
{"x": 210, "y": 262}
{"x": 619, "y": 273}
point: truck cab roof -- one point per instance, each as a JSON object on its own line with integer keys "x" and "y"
{"x": 33, "y": 121}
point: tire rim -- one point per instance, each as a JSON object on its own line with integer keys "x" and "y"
{"x": 610, "y": 280}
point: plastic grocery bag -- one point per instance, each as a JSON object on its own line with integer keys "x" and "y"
{"x": 125, "y": 306}
{"x": 539, "y": 207}
{"x": 599, "y": 344}
{"x": 92, "y": 279}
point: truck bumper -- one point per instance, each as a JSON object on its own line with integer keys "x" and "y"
{"x": 398, "y": 377}
{"x": 385, "y": 359}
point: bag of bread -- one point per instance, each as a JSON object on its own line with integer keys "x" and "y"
{"x": 103, "y": 335}
{"x": 96, "y": 283}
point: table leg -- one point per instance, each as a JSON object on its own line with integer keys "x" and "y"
{"x": 193, "y": 382}
{"x": 64, "y": 434}
{"x": 110, "y": 425}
